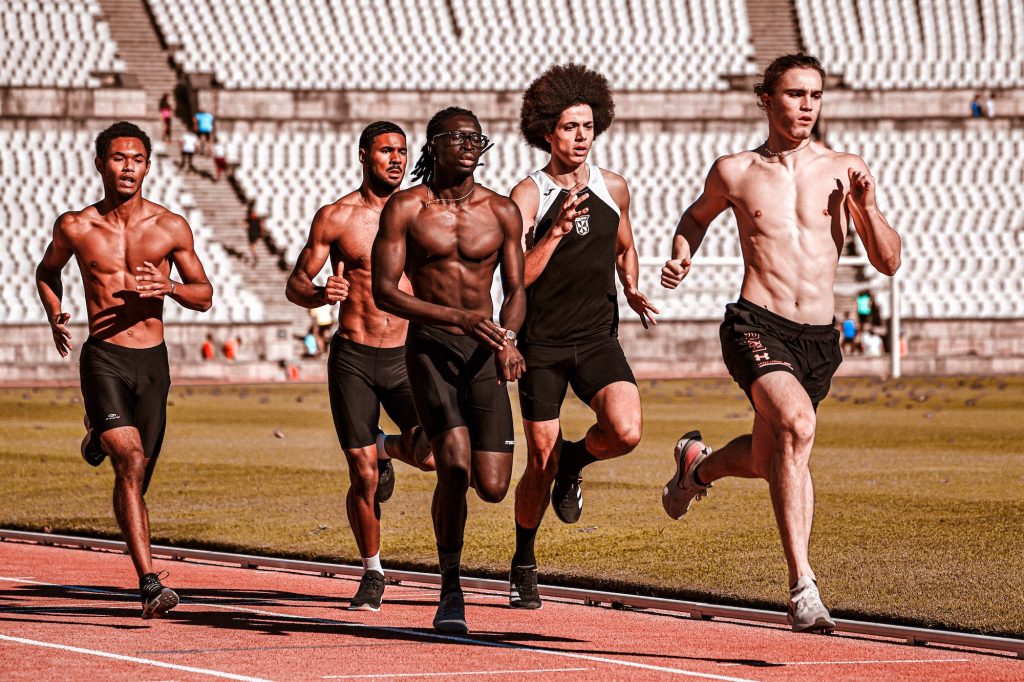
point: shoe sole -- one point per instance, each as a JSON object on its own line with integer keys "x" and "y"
{"x": 455, "y": 627}
{"x": 821, "y": 626}
{"x": 382, "y": 497}
{"x": 576, "y": 511}
{"x": 364, "y": 607}
{"x": 161, "y": 605}
{"x": 678, "y": 454}
{"x": 526, "y": 606}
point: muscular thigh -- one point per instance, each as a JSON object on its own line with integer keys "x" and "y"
{"x": 354, "y": 405}
{"x": 598, "y": 365}
{"x": 542, "y": 388}
{"x": 394, "y": 392}
{"x": 487, "y": 409}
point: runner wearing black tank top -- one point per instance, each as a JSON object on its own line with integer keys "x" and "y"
{"x": 578, "y": 237}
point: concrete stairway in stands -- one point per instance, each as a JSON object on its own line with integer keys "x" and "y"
{"x": 141, "y": 48}
{"x": 773, "y": 29}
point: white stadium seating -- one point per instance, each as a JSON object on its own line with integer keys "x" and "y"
{"x": 416, "y": 45}
{"x": 900, "y": 44}
{"x": 49, "y": 173}
{"x": 57, "y": 43}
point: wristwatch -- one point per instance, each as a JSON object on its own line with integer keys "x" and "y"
{"x": 511, "y": 336}
{"x": 171, "y": 292}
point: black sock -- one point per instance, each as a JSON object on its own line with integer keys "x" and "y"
{"x": 524, "y": 555}
{"x": 574, "y": 457}
{"x": 449, "y": 561}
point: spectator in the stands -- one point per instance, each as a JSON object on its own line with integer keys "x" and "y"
{"x": 870, "y": 342}
{"x": 166, "y": 112}
{"x": 849, "y": 334}
{"x": 207, "y": 350}
{"x": 254, "y": 227}
{"x": 976, "y": 106}
{"x": 220, "y": 158}
{"x": 204, "y": 126}
{"x": 990, "y": 104}
{"x": 188, "y": 150}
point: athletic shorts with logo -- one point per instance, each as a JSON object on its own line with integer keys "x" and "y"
{"x": 588, "y": 367}
{"x": 126, "y": 387}
{"x": 455, "y": 383}
{"x": 756, "y": 341}
{"x": 360, "y": 380}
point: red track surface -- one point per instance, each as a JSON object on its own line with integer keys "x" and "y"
{"x": 74, "y": 614}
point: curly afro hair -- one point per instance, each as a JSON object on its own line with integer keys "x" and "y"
{"x": 560, "y": 87}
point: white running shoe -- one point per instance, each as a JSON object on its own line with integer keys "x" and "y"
{"x": 682, "y": 489}
{"x": 806, "y": 613}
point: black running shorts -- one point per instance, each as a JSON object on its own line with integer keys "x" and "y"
{"x": 588, "y": 367}
{"x": 360, "y": 380}
{"x": 756, "y": 341}
{"x": 126, "y": 387}
{"x": 455, "y": 383}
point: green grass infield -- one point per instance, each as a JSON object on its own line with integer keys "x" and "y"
{"x": 919, "y": 485}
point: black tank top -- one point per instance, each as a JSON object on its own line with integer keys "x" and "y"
{"x": 574, "y": 299}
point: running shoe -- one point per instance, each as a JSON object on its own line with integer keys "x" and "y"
{"x": 156, "y": 599}
{"x": 682, "y": 489}
{"x": 567, "y": 497}
{"x": 385, "y": 480}
{"x": 370, "y": 592}
{"x": 90, "y": 448}
{"x": 522, "y": 588}
{"x": 805, "y": 611}
{"x": 451, "y": 613}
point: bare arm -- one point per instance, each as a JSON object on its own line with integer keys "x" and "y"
{"x": 194, "y": 291}
{"x": 882, "y": 243}
{"x": 300, "y": 289}
{"x": 627, "y": 262}
{"x": 693, "y": 225}
{"x": 513, "y": 308}
{"x": 538, "y": 252}
{"x": 51, "y": 288}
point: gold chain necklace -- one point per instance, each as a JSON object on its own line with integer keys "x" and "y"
{"x": 439, "y": 200}
{"x": 783, "y": 154}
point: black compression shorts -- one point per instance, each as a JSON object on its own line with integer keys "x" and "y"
{"x": 455, "y": 383}
{"x": 588, "y": 367}
{"x": 756, "y": 341}
{"x": 360, "y": 379}
{"x": 126, "y": 387}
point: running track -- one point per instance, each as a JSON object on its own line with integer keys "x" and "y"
{"x": 74, "y": 614}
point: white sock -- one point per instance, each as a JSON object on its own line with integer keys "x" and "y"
{"x": 372, "y": 563}
{"x": 381, "y": 451}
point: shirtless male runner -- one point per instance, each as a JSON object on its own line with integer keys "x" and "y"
{"x": 125, "y": 246}
{"x": 793, "y": 200}
{"x": 449, "y": 234}
{"x": 578, "y": 236}
{"x": 366, "y": 366}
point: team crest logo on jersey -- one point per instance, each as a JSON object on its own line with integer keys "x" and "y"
{"x": 582, "y": 225}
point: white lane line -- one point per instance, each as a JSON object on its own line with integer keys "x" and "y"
{"x": 423, "y": 635}
{"x": 131, "y": 659}
{"x": 893, "y": 662}
{"x": 451, "y": 674}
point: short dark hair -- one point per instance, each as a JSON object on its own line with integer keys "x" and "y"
{"x": 374, "y": 130}
{"x": 560, "y": 87}
{"x": 779, "y": 66}
{"x": 424, "y": 168}
{"x": 121, "y": 129}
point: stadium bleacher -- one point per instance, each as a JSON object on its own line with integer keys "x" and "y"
{"x": 49, "y": 172}
{"x": 57, "y": 43}
{"x": 420, "y": 45}
{"x": 902, "y": 44}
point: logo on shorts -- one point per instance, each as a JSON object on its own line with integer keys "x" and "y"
{"x": 582, "y": 225}
{"x": 111, "y": 417}
{"x": 510, "y": 442}
{"x": 753, "y": 339}
{"x": 760, "y": 357}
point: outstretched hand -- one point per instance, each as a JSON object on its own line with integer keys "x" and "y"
{"x": 152, "y": 282}
{"x": 639, "y": 303}
{"x": 862, "y": 189}
{"x": 674, "y": 272}
{"x": 61, "y": 334}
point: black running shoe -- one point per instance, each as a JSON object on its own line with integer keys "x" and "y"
{"x": 156, "y": 599}
{"x": 451, "y": 613}
{"x": 522, "y": 588}
{"x": 385, "y": 480}
{"x": 90, "y": 448}
{"x": 567, "y": 497}
{"x": 370, "y": 592}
